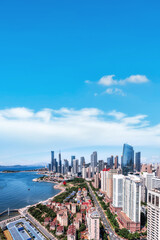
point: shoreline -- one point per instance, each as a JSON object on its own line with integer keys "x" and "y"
{"x": 57, "y": 186}
{"x": 34, "y": 171}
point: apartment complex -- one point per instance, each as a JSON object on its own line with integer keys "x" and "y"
{"x": 153, "y": 226}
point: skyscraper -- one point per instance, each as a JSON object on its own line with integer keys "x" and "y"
{"x": 118, "y": 190}
{"x": 72, "y": 158}
{"x": 52, "y": 160}
{"x": 49, "y": 167}
{"x": 116, "y": 162}
{"x": 82, "y": 161}
{"x": 60, "y": 163}
{"x": 110, "y": 162}
{"x": 127, "y": 164}
{"x": 138, "y": 161}
{"x": 93, "y": 162}
{"x": 132, "y": 198}
{"x": 83, "y": 172}
{"x": 100, "y": 165}
{"x": 75, "y": 166}
{"x": 66, "y": 166}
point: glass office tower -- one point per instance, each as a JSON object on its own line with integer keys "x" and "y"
{"x": 127, "y": 164}
{"x": 138, "y": 161}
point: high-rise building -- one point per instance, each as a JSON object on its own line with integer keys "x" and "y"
{"x": 127, "y": 164}
{"x": 82, "y": 162}
{"x": 55, "y": 165}
{"x": 72, "y": 158}
{"x": 60, "y": 163}
{"x": 158, "y": 171}
{"x": 96, "y": 180}
{"x": 107, "y": 182}
{"x": 104, "y": 174}
{"x": 149, "y": 177}
{"x": 144, "y": 168}
{"x": 75, "y": 166}
{"x": 155, "y": 183}
{"x": 83, "y": 172}
{"x": 93, "y": 162}
{"x": 143, "y": 189}
{"x": 109, "y": 191}
{"x": 62, "y": 169}
{"x": 149, "y": 168}
{"x": 52, "y": 160}
{"x": 138, "y": 162}
{"x": 116, "y": 162}
{"x": 66, "y": 166}
{"x": 132, "y": 197}
{"x": 49, "y": 167}
{"x": 110, "y": 162}
{"x": 118, "y": 190}
{"x": 100, "y": 165}
{"x": 153, "y": 214}
{"x": 131, "y": 209}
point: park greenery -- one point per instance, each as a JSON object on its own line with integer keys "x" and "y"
{"x": 2, "y": 237}
{"x": 38, "y": 210}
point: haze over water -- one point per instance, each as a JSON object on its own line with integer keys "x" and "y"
{"x": 14, "y": 191}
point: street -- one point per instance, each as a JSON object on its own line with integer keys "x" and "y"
{"x": 103, "y": 217}
{"x": 38, "y": 225}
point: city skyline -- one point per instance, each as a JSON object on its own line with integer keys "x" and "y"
{"x": 78, "y": 77}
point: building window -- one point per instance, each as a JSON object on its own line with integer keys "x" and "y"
{"x": 149, "y": 199}
{"x": 157, "y": 201}
{"x": 153, "y": 199}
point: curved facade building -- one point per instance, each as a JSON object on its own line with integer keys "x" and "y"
{"x": 127, "y": 163}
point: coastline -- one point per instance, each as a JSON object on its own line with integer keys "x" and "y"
{"x": 23, "y": 210}
{"x": 57, "y": 186}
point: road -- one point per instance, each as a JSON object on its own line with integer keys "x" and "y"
{"x": 38, "y": 225}
{"x": 103, "y": 216}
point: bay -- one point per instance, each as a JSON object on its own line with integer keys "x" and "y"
{"x": 15, "y": 193}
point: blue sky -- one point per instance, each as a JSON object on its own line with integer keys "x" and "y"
{"x": 58, "y": 55}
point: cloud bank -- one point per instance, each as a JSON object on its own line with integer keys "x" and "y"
{"x": 25, "y": 130}
{"x": 110, "y": 81}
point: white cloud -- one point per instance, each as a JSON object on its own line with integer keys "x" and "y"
{"x": 25, "y": 131}
{"x": 87, "y": 81}
{"x": 117, "y": 115}
{"x": 109, "y": 81}
{"x": 115, "y": 91}
{"x": 16, "y": 113}
{"x": 136, "y": 79}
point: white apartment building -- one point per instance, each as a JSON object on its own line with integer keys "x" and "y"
{"x": 132, "y": 197}
{"x": 118, "y": 190}
{"x": 146, "y": 184}
{"x": 93, "y": 220}
{"x": 155, "y": 182}
{"x": 104, "y": 175}
{"x": 153, "y": 215}
{"x": 83, "y": 172}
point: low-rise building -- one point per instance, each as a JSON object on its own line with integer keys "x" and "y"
{"x": 93, "y": 225}
{"x": 71, "y": 233}
{"x": 59, "y": 230}
{"x": 62, "y": 217}
{"x": 74, "y": 207}
{"x": 47, "y": 220}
